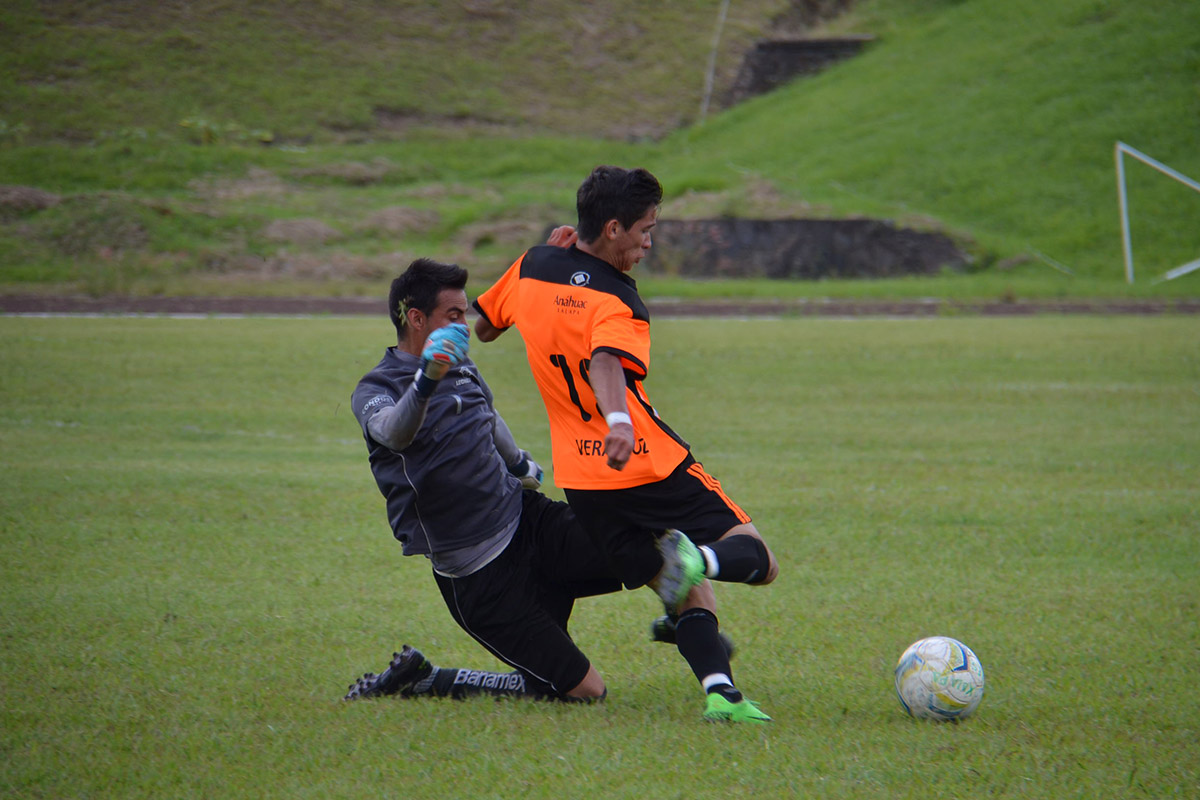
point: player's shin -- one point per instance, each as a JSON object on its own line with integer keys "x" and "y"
{"x": 737, "y": 559}
{"x": 697, "y": 636}
{"x": 462, "y": 683}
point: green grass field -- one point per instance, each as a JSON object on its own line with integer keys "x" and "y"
{"x": 194, "y": 562}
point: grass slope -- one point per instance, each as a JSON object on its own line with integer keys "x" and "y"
{"x": 996, "y": 118}
{"x": 298, "y": 70}
{"x": 992, "y": 120}
{"x": 194, "y": 562}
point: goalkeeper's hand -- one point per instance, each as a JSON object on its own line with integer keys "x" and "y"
{"x": 563, "y": 236}
{"x": 528, "y": 471}
{"x": 445, "y": 348}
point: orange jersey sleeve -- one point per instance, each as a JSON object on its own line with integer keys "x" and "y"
{"x": 569, "y": 305}
{"x": 498, "y": 303}
{"x": 619, "y": 333}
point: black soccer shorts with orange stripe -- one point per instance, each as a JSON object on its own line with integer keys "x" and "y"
{"x": 689, "y": 499}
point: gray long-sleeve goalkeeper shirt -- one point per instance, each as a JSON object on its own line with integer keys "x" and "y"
{"x": 440, "y": 463}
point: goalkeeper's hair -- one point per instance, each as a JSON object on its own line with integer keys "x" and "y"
{"x": 419, "y": 286}
{"x": 614, "y": 193}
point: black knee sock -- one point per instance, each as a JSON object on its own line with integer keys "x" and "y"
{"x": 739, "y": 559}
{"x": 460, "y": 683}
{"x": 698, "y": 643}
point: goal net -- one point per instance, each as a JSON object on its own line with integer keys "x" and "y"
{"x": 1123, "y": 150}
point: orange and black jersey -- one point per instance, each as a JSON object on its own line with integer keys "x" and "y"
{"x": 569, "y": 306}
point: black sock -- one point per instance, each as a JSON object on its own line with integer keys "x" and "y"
{"x": 727, "y": 691}
{"x": 740, "y": 559}
{"x": 460, "y": 683}
{"x": 698, "y": 643}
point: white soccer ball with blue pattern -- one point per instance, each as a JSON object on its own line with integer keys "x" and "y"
{"x": 939, "y": 678}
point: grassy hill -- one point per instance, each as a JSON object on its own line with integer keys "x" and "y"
{"x": 460, "y": 130}
{"x": 369, "y": 69}
{"x": 996, "y": 118}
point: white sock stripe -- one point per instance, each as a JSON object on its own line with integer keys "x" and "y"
{"x": 716, "y": 679}
{"x": 711, "y": 567}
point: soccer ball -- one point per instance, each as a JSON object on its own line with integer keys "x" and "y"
{"x": 939, "y": 678}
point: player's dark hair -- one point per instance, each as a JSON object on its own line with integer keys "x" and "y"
{"x": 614, "y": 193}
{"x": 419, "y": 286}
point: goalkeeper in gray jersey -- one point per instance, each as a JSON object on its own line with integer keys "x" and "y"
{"x": 509, "y": 561}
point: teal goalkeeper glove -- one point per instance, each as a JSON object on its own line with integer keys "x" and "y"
{"x": 448, "y": 345}
{"x": 445, "y": 348}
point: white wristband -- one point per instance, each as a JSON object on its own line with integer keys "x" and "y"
{"x": 613, "y": 417}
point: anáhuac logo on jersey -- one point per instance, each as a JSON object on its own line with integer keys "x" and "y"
{"x": 569, "y": 304}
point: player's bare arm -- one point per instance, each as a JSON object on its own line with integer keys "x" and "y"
{"x": 486, "y": 331}
{"x": 608, "y": 383}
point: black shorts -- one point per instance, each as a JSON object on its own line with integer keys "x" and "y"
{"x": 619, "y": 520}
{"x": 518, "y": 605}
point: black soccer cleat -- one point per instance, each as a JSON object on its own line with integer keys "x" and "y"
{"x": 407, "y": 668}
{"x": 663, "y": 630}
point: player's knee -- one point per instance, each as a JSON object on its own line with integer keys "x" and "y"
{"x": 590, "y": 688}
{"x": 588, "y": 694}
{"x": 593, "y": 694}
{"x": 768, "y": 565}
{"x": 744, "y": 557}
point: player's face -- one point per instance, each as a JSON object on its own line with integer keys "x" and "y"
{"x": 451, "y": 308}
{"x": 633, "y": 243}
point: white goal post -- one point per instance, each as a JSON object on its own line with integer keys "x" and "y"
{"x": 1122, "y": 150}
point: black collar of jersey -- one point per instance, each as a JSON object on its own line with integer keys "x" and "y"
{"x": 573, "y": 267}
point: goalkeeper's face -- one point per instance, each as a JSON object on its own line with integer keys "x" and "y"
{"x": 451, "y": 308}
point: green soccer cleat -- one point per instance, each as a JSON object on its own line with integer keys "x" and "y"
{"x": 683, "y": 568}
{"x": 718, "y": 709}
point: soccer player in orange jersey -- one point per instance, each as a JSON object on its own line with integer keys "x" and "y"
{"x": 625, "y": 472}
